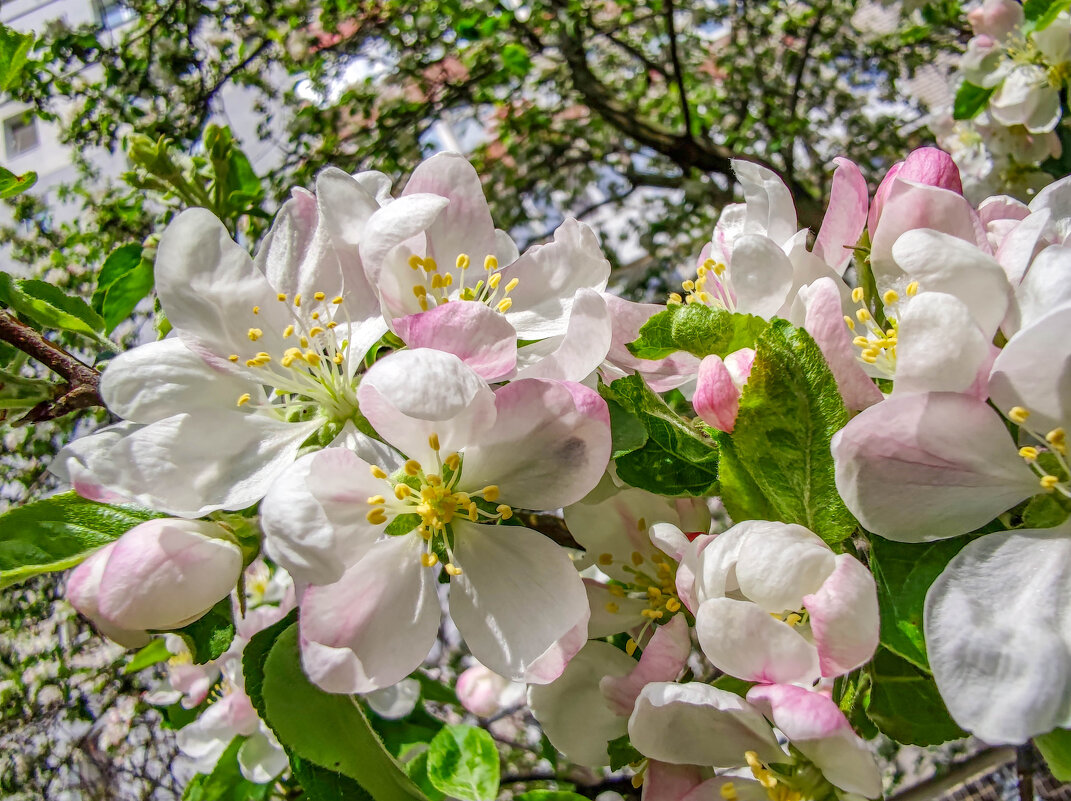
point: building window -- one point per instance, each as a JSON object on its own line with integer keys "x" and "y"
{"x": 113, "y": 13}
{"x": 20, "y": 135}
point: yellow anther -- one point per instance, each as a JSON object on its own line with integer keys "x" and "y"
{"x": 337, "y": 358}
{"x": 848, "y": 321}
{"x": 857, "y": 295}
{"x": 637, "y": 781}
{"x": 606, "y": 559}
{"x": 861, "y": 342}
{"x": 423, "y": 303}
{"x": 448, "y": 279}
{"x": 688, "y": 286}
{"x": 453, "y": 461}
{"x": 505, "y": 511}
{"x": 415, "y": 261}
{"x": 462, "y": 261}
{"x": 419, "y": 290}
{"x": 728, "y": 791}
{"x": 244, "y": 398}
{"x": 654, "y": 593}
{"x": 490, "y": 263}
{"x": 1018, "y": 415}
{"x": 490, "y": 493}
{"x": 912, "y": 289}
{"x": 505, "y": 304}
{"x": 332, "y": 324}
{"x": 453, "y": 569}
{"x": 288, "y": 331}
{"x": 652, "y": 614}
{"x": 316, "y": 330}
{"x": 315, "y": 315}
{"x": 862, "y": 315}
{"x": 281, "y": 297}
{"x": 435, "y": 480}
{"x": 641, "y": 524}
{"x": 337, "y": 299}
{"x": 616, "y": 591}
{"x": 612, "y": 608}
{"x": 637, "y": 558}
{"x": 429, "y": 559}
{"x": 494, "y": 280}
{"x": 509, "y": 287}
{"x": 890, "y": 297}
{"x": 793, "y": 619}
{"x": 312, "y": 358}
{"x": 869, "y": 358}
{"x": 233, "y": 357}
{"x": 256, "y": 310}
{"x": 1056, "y": 437}
{"x": 402, "y": 491}
{"x": 430, "y": 266}
{"x": 319, "y": 295}
{"x": 412, "y": 467}
{"x": 437, "y": 281}
{"x": 250, "y": 362}
{"x": 673, "y": 605}
{"x": 433, "y": 441}
{"x": 376, "y": 516}
{"x": 631, "y": 646}
{"x": 377, "y": 499}
{"x": 254, "y": 334}
{"x": 304, "y": 342}
{"x": 1049, "y": 482}
{"x": 1029, "y": 453}
{"x": 378, "y": 472}
{"x": 675, "y": 298}
{"x": 474, "y": 512}
{"x": 297, "y": 299}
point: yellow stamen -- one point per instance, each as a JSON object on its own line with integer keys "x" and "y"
{"x": 254, "y": 334}
{"x": 1018, "y": 415}
{"x": 912, "y": 289}
{"x": 453, "y": 461}
{"x": 637, "y": 558}
{"x": 319, "y": 295}
{"x": 606, "y": 559}
{"x": 378, "y": 499}
{"x": 281, "y": 297}
{"x": 857, "y": 295}
{"x": 505, "y": 304}
{"x": 288, "y": 331}
{"x": 244, "y": 399}
{"x": 376, "y": 516}
{"x": 490, "y": 493}
{"x": 631, "y": 646}
{"x": 505, "y": 511}
{"x": 433, "y": 442}
{"x": 1049, "y": 482}
{"x": 862, "y": 315}
{"x": 402, "y": 491}
{"x": 490, "y": 263}
{"x": 233, "y": 357}
{"x": 315, "y": 331}
{"x": 848, "y": 321}
{"x": 412, "y": 467}
{"x": 494, "y": 280}
{"x": 673, "y": 605}
{"x": 429, "y": 559}
{"x": 337, "y": 300}
{"x": 462, "y": 261}
{"x": 511, "y": 285}
{"x": 453, "y": 569}
{"x": 890, "y": 297}
{"x": 378, "y": 472}
{"x": 1029, "y": 453}
{"x": 256, "y": 310}
{"x": 297, "y": 299}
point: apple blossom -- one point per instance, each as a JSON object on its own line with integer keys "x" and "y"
{"x": 484, "y": 693}
{"x": 466, "y": 457}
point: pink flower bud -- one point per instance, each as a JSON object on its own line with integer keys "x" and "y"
{"x": 160, "y": 575}
{"x": 926, "y": 165}
{"x": 483, "y": 692}
{"x": 717, "y": 394}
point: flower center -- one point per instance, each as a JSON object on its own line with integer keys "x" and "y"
{"x": 1045, "y": 460}
{"x": 878, "y": 346}
{"x": 775, "y": 790}
{"x": 427, "y": 500}
{"x": 312, "y": 374}
{"x": 435, "y": 287}
{"x": 712, "y": 287}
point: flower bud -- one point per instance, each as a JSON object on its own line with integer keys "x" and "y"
{"x": 483, "y": 692}
{"x": 160, "y": 575}
{"x": 717, "y": 394}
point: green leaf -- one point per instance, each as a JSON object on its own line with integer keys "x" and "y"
{"x": 550, "y": 795}
{"x": 211, "y": 634}
{"x": 676, "y": 459}
{"x": 328, "y": 730}
{"x": 226, "y": 782}
{"x": 321, "y": 784}
{"x": 11, "y": 184}
{"x": 515, "y": 59}
{"x": 790, "y": 408}
{"x": 463, "y": 763}
{"x": 402, "y": 524}
{"x": 58, "y": 533}
{"x": 970, "y": 101}
{"x": 14, "y": 49}
{"x": 697, "y": 329}
{"x": 903, "y": 573}
{"x": 905, "y": 704}
{"x": 1056, "y": 748}
{"x": 417, "y": 769}
{"x": 254, "y": 656}
{"x": 1045, "y": 511}
{"x": 125, "y": 278}
{"x": 49, "y": 306}
{"x": 433, "y": 690}
{"x": 741, "y": 496}
{"x": 626, "y": 431}
{"x": 622, "y": 753}
{"x": 152, "y": 654}
{"x": 732, "y": 684}
{"x": 1041, "y": 13}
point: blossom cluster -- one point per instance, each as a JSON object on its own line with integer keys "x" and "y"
{"x": 383, "y": 400}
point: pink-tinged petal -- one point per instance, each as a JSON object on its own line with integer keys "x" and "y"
{"x": 193, "y": 681}
{"x": 1056, "y": 198}
{"x": 877, "y": 205}
{"x": 83, "y": 589}
{"x": 159, "y": 379}
{"x": 165, "y": 573}
{"x": 612, "y": 614}
{"x": 549, "y": 277}
{"x": 688, "y": 569}
{"x": 998, "y": 634}
{"x": 411, "y": 394}
{"x": 665, "y": 656}
{"x": 939, "y": 347}
{"x": 915, "y": 468}
{"x": 911, "y": 206}
{"x": 313, "y": 516}
{"x": 207, "y": 737}
{"x": 208, "y": 286}
{"x": 519, "y": 602}
{"x": 844, "y": 617}
{"x": 84, "y": 462}
{"x": 572, "y": 711}
{"x": 932, "y": 167}
{"x": 716, "y": 565}
{"x": 393, "y": 224}
{"x": 296, "y": 254}
{"x": 1044, "y": 288}
{"x": 548, "y": 446}
{"x": 996, "y": 18}
{"x": 770, "y": 210}
{"x": 696, "y": 724}
{"x": 944, "y": 263}
{"x": 824, "y": 321}
{"x": 815, "y": 725}
{"x": 166, "y": 466}
{"x": 761, "y": 275}
{"x": 717, "y": 398}
{"x": 666, "y": 782}
{"x": 845, "y": 216}
{"x": 1018, "y": 249}
{"x": 779, "y": 563}
{"x": 475, "y": 333}
{"x": 743, "y": 640}
{"x": 1001, "y": 209}
{"x": 1034, "y": 371}
{"x": 374, "y": 626}
{"x": 465, "y": 225}
{"x": 661, "y": 375}
{"x": 483, "y": 692}
{"x": 577, "y": 353}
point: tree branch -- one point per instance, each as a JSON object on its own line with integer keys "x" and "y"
{"x": 81, "y": 388}
{"x": 678, "y": 73}
{"x": 797, "y": 82}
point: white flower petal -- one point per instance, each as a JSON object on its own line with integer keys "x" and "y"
{"x": 1045, "y": 287}
{"x": 611, "y": 614}
{"x": 517, "y": 598}
{"x": 761, "y": 275}
{"x": 261, "y": 758}
{"x": 778, "y": 564}
{"x": 770, "y": 210}
{"x": 939, "y": 347}
{"x": 844, "y": 617}
{"x": 574, "y": 355}
{"x": 395, "y": 702}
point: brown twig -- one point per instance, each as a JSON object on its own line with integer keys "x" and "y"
{"x": 81, "y": 387}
